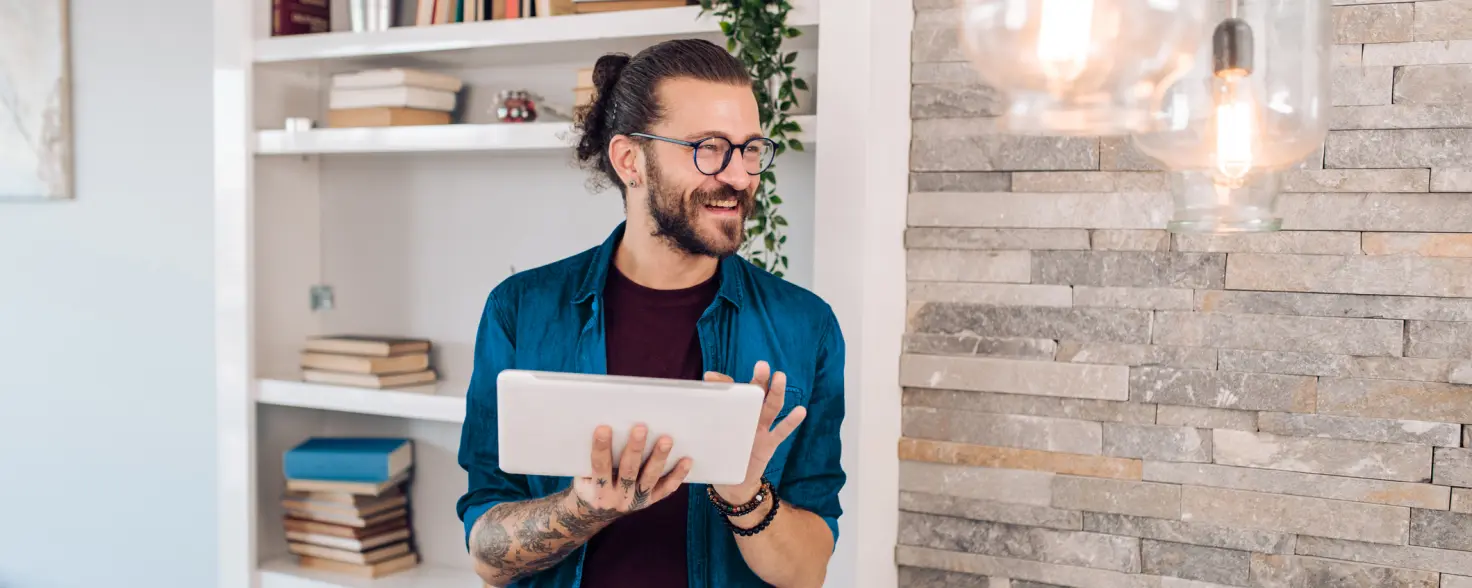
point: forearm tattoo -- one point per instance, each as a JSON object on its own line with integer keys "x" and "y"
{"x": 523, "y": 538}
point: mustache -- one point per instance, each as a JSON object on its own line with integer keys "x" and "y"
{"x": 744, "y": 199}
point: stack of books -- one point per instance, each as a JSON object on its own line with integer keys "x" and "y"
{"x": 347, "y": 505}
{"x": 368, "y": 361}
{"x": 592, "y": 6}
{"x": 392, "y": 97}
{"x": 584, "y": 92}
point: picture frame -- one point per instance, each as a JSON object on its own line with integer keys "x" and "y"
{"x": 36, "y": 144}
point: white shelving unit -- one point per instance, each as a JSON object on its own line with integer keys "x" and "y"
{"x": 512, "y": 137}
{"x": 413, "y": 226}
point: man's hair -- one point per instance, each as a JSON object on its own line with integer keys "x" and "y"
{"x": 625, "y": 100}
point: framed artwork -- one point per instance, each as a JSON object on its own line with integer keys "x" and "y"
{"x": 35, "y": 101}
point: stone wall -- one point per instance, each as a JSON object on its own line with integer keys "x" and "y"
{"x": 1092, "y": 402}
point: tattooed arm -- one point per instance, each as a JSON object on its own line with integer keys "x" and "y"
{"x": 517, "y": 539}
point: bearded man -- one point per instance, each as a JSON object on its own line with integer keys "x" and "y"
{"x": 677, "y": 129}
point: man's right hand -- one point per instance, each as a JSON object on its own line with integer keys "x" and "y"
{"x": 611, "y": 492}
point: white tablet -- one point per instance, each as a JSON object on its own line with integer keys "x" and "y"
{"x": 546, "y": 422}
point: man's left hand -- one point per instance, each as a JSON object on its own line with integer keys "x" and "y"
{"x": 767, "y": 437}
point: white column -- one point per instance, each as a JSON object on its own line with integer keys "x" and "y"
{"x": 862, "y": 171}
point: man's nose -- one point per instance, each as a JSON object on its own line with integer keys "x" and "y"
{"x": 735, "y": 174}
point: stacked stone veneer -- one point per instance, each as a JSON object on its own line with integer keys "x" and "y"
{"x": 1092, "y": 402}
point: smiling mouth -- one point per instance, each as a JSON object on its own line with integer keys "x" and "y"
{"x": 722, "y": 205}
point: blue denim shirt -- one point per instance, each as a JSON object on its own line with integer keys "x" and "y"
{"x": 551, "y": 318}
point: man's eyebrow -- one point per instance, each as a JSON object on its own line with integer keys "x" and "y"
{"x": 704, "y": 134}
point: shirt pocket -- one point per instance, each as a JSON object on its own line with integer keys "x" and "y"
{"x": 795, "y": 396}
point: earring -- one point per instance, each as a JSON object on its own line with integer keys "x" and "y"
{"x": 634, "y": 182}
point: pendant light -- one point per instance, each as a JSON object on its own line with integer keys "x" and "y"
{"x": 1080, "y": 67}
{"x": 1255, "y": 104}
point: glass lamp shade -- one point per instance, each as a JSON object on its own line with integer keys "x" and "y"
{"x": 1080, "y": 67}
{"x": 1254, "y": 104}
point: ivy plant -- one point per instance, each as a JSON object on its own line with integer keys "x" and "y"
{"x": 755, "y": 30}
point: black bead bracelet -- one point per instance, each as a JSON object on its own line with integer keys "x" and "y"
{"x": 735, "y": 510}
{"x": 766, "y": 520}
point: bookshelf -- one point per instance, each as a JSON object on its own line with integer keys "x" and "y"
{"x": 442, "y": 403}
{"x": 283, "y": 573}
{"x": 411, "y": 227}
{"x": 506, "y": 137}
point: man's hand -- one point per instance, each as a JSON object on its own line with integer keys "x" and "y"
{"x": 632, "y": 486}
{"x": 767, "y": 437}
{"x": 517, "y": 539}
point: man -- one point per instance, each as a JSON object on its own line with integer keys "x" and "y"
{"x": 677, "y": 129}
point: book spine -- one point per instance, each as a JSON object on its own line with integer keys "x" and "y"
{"x": 337, "y": 466}
{"x": 299, "y": 17}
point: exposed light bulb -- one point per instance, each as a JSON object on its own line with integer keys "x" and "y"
{"x": 1235, "y": 116}
{"x": 1235, "y": 127}
{"x": 1064, "y": 37}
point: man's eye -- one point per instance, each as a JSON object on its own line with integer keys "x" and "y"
{"x": 711, "y": 147}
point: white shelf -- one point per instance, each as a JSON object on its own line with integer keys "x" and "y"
{"x": 441, "y": 138}
{"x": 408, "y": 139}
{"x": 284, "y": 573}
{"x": 432, "y": 406}
{"x": 511, "y": 41}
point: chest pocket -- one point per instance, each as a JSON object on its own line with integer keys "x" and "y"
{"x": 796, "y": 396}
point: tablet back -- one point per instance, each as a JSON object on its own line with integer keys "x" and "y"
{"x": 546, "y": 422}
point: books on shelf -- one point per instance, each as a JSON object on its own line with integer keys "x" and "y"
{"x": 391, "y": 97}
{"x": 584, "y": 92}
{"x": 438, "y": 12}
{"x": 595, "y": 6}
{"x": 347, "y": 507}
{"x": 300, "y": 17}
{"x": 368, "y": 361}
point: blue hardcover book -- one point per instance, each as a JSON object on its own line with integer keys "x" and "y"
{"x": 349, "y": 459}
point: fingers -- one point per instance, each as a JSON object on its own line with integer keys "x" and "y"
{"x": 789, "y": 424}
{"x": 772, "y": 406}
{"x": 671, "y": 481}
{"x": 760, "y": 374}
{"x": 718, "y": 377}
{"x": 602, "y": 455}
{"x": 654, "y": 468}
{"x": 628, "y": 465}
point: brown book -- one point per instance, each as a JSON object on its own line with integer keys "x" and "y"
{"x": 619, "y": 5}
{"x": 376, "y": 346}
{"x": 349, "y": 543}
{"x": 363, "y": 488}
{"x": 295, "y": 525}
{"x": 299, "y": 17}
{"x": 368, "y": 557}
{"x": 376, "y": 570}
{"x": 359, "y": 364}
{"x": 343, "y": 498}
{"x": 379, "y": 381}
{"x": 387, "y": 116}
{"x": 341, "y": 510}
{"x": 349, "y": 520}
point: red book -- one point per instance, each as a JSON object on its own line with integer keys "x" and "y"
{"x": 300, "y": 17}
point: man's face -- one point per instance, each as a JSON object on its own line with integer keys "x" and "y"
{"x": 697, "y": 213}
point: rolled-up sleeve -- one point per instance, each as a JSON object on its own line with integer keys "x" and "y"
{"x": 478, "y": 453}
{"x": 814, "y": 472}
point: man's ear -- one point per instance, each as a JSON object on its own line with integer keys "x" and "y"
{"x": 624, "y": 153}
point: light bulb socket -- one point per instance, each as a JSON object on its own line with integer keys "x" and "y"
{"x": 1231, "y": 48}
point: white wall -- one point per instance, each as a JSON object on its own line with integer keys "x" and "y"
{"x": 106, "y": 389}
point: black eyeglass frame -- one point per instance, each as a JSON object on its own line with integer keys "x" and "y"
{"x": 726, "y": 159}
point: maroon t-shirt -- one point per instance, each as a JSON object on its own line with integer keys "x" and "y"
{"x": 649, "y": 333}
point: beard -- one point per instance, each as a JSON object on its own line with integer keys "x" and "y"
{"x": 675, "y": 217}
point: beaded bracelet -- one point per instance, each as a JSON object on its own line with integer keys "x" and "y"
{"x": 733, "y": 510}
{"x": 766, "y": 520}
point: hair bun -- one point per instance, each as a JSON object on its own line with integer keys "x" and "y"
{"x": 607, "y": 70}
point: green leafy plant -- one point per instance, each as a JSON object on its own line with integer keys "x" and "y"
{"x": 754, "y": 32}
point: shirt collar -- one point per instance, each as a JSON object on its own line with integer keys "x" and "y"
{"x": 732, "y": 279}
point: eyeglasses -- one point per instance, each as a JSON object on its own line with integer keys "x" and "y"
{"x": 713, "y": 154}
